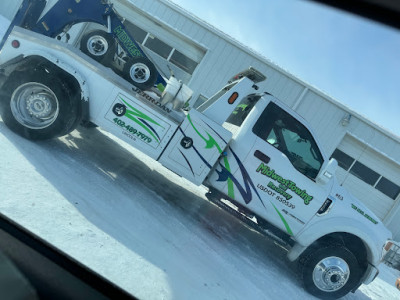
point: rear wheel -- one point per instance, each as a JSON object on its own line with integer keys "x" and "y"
{"x": 330, "y": 272}
{"x": 38, "y": 107}
{"x": 141, "y": 72}
{"x": 99, "y": 45}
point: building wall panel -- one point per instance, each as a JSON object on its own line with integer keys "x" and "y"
{"x": 324, "y": 118}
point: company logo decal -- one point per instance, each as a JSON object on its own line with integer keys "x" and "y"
{"x": 151, "y": 99}
{"x": 141, "y": 119}
{"x": 136, "y": 123}
{"x": 284, "y": 184}
{"x": 127, "y": 42}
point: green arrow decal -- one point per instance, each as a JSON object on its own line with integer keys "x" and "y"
{"x": 210, "y": 142}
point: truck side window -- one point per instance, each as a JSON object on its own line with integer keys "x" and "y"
{"x": 243, "y": 109}
{"x": 284, "y": 132}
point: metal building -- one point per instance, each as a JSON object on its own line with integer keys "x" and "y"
{"x": 205, "y": 58}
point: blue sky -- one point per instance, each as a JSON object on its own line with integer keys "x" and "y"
{"x": 354, "y": 60}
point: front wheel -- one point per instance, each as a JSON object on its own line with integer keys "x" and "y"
{"x": 330, "y": 272}
{"x": 39, "y": 107}
{"x": 141, "y": 72}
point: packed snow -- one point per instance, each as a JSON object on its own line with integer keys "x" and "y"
{"x": 147, "y": 230}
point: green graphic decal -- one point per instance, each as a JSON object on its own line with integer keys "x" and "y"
{"x": 140, "y": 119}
{"x": 360, "y": 211}
{"x": 210, "y": 142}
{"x": 284, "y": 184}
{"x": 283, "y": 220}
{"x": 240, "y": 106}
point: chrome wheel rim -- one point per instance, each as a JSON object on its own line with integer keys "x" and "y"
{"x": 139, "y": 72}
{"x": 331, "y": 274}
{"x": 34, "y": 105}
{"x": 97, "y": 45}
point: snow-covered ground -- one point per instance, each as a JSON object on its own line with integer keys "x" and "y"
{"x": 137, "y": 224}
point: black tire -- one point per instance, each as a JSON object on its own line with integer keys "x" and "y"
{"x": 57, "y": 108}
{"x": 337, "y": 259}
{"x": 100, "y": 46}
{"x": 141, "y": 72}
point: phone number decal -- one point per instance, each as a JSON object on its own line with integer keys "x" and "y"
{"x": 132, "y": 130}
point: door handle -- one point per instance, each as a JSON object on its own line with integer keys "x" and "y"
{"x": 261, "y": 156}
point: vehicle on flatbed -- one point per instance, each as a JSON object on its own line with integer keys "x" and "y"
{"x": 255, "y": 155}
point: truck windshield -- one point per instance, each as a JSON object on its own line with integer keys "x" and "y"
{"x": 292, "y": 138}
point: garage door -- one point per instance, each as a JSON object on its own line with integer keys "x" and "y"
{"x": 368, "y": 175}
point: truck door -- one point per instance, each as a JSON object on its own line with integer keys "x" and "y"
{"x": 282, "y": 165}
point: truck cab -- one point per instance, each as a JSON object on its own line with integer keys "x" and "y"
{"x": 274, "y": 165}
{"x": 276, "y": 173}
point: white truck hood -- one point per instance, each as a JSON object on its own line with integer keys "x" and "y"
{"x": 348, "y": 214}
{"x": 349, "y": 207}
{"x": 359, "y": 211}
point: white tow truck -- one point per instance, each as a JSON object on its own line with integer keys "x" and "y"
{"x": 255, "y": 155}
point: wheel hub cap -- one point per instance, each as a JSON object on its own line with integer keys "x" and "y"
{"x": 38, "y": 106}
{"x": 97, "y": 45}
{"x": 34, "y": 105}
{"x": 331, "y": 274}
{"x": 140, "y": 72}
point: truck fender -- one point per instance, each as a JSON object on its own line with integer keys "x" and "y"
{"x": 64, "y": 66}
{"x": 33, "y": 58}
{"x": 313, "y": 232}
